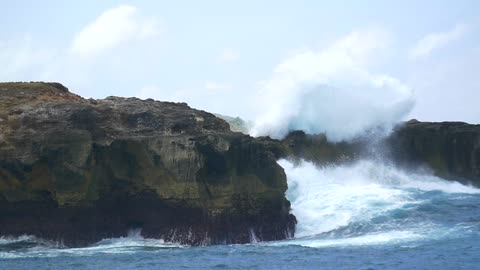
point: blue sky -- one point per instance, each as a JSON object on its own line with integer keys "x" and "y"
{"x": 220, "y": 56}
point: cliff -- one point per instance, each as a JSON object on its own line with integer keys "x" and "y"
{"x": 78, "y": 170}
{"x": 451, "y": 150}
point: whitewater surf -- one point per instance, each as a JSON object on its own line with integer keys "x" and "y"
{"x": 369, "y": 202}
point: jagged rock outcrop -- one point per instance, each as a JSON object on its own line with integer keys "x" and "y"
{"x": 450, "y": 149}
{"x": 79, "y": 170}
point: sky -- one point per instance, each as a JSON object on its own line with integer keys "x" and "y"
{"x": 254, "y": 59}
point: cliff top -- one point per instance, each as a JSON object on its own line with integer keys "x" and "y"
{"x": 33, "y": 87}
{"x": 47, "y": 108}
{"x": 450, "y": 126}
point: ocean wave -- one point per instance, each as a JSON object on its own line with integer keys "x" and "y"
{"x": 368, "y": 202}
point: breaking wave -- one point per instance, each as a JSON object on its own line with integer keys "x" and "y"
{"x": 371, "y": 203}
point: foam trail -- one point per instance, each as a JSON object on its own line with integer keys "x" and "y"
{"x": 344, "y": 199}
{"x": 332, "y": 91}
{"x": 364, "y": 240}
{"x": 31, "y": 246}
{"x": 5, "y": 240}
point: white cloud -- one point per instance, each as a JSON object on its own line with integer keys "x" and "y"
{"x": 113, "y": 27}
{"x": 332, "y": 91}
{"x": 434, "y": 41}
{"x": 228, "y": 55}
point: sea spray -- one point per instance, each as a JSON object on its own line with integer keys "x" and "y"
{"x": 363, "y": 201}
{"x": 332, "y": 91}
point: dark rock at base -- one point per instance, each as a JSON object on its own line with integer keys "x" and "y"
{"x": 78, "y": 171}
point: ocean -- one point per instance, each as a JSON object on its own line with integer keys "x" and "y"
{"x": 365, "y": 215}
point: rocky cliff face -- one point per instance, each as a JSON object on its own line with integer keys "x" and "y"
{"x": 450, "y": 149}
{"x": 80, "y": 170}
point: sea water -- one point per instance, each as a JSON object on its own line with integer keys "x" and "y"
{"x": 365, "y": 215}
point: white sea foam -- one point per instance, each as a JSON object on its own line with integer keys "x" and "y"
{"x": 9, "y": 240}
{"x": 134, "y": 242}
{"x": 129, "y": 244}
{"x": 333, "y": 197}
{"x": 364, "y": 240}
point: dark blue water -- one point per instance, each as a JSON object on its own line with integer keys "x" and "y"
{"x": 363, "y": 216}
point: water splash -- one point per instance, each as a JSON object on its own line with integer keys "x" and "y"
{"x": 366, "y": 202}
{"x": 253, "y": 237}
{"x": 332, "y": 91}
